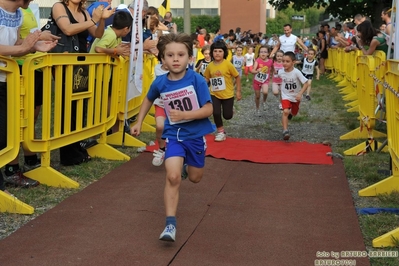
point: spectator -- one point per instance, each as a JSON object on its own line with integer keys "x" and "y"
{"x": 287, "y": 42}
{"x": 172, "y": 27}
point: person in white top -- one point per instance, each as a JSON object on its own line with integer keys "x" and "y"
{"x": 287, "y": 42}
{"x": 249, "y": 61}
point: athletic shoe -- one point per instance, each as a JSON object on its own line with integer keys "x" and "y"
{"x": 286, "y": 135}
{"x": 289, "y": 116}
{"x": 28, "y": 167}
{"x": 220, "y": 136}
{"x": 258, "y": 113}
{"x": 168, "y": 234}
{"x": 280, "y": 106}
{"x": 247, "y": 80}
{"x": 88, "y": 143}
{"x": 264, "y": 106}
{"x": 159, "y": 156}
{"x": 19, "y": 180}
{"x": 307, "y": 97}
{"x": 184, "y": 173}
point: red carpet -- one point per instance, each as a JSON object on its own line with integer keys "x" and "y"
{"x": 262, "y": 151}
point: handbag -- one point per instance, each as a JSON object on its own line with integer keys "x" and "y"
{"x": 67, "y": 44}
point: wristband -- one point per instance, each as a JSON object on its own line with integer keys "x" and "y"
{"x": 93, "y": 22}
{"x": 115, "y": 52}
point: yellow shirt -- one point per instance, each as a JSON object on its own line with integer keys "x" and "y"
{"x": 29, "y": 22}
{"x": 221, "y": 74}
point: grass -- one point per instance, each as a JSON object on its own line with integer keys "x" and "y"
{"x": 360, "y": 170}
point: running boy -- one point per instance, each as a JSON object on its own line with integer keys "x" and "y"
{"x": 308, "y": 66}
{"x": 291, "y": 90}
{"x": 187, "y": 105}
{"x": 262, "y": 68}
{"x": 220, "y": 73}
{"x": 203, "y": 63}
{"x": 238, "y": 60}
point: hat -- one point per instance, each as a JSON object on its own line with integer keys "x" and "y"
{"x": 122, "y": 6}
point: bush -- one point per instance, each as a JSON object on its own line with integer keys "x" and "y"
{"x": 210, "y": 23}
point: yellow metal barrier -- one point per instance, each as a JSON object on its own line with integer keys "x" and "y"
{"x": 345, "y": 56}
{"x": 133, "y": 106}
{"x": 328, "y": 63}
{"x": 340, "y": 65}
{"x": 333, "y": 58}
{"x": 10, "y": 152}
{"x": 390, "y": 184}
{"x": 95, "y": 112}
{"x": 367, "y": 104}
{"x": 352, "y": 78}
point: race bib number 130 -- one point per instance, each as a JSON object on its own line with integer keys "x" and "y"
{"x": 184, "y": 99}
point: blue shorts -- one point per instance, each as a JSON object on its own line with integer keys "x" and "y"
{"x": 193, "y": 151}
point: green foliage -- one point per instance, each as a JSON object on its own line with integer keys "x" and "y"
{"x": 311, "y": 14}
{"x": 345, "y": 9}
{"x": 210, "y": 23}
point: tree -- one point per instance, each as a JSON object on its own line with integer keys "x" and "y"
{"x": 345, "y": 9}
{"x": 284, "y": 16}
{"x": 210, "y": 23}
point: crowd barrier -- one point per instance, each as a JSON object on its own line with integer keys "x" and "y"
{"x": 377, "y": 100}
{"x": 390, "y": 184}
{"x": 8, "y": 153}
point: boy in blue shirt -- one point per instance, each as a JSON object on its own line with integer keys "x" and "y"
{"x": 188, "y": 105}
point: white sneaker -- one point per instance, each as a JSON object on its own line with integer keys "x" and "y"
{"x": 220, "y": 136}
{"x": 258, "y": 113}
{"x": 264, "y": 106}
{"x": 280, "y": 106}
{"x": 159, "y": 156}
{"x": 168, "y": 234}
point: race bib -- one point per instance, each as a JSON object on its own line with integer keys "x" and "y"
{"x": 237, "y": 64}
{"x": 261, "y": 77}
{"x": 184, "y": 99}
{"x": 218, "y": 84}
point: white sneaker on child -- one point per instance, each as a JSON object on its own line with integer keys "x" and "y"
{"x": 220, "y": 136}
{"x": 168, "y": 234}
{"x": 159, "y": 156}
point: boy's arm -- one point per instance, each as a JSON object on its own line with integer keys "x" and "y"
{"x": 298, "y": 97}
{"x": 145, "y": 107}
{"x": 205, "y": 111}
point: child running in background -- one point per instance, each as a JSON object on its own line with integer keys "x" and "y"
{"x": 160, "y": 117}
{"x": 187, "y": 105}
{"x": 291, "y": 90}
{"x": 276, "y": 81}
{"x": 203, "y": 63}
{"x": 238, "y": 60}
{"x": 220, "y": 73}
{"x": 308, "y": 66}
{"x": 249, "y": 61}
{"x": 262, "y": 68}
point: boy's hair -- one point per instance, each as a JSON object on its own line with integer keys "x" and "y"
{"x": 311, "y": 49}
{"x": 290, "y": 55}
{"x": 206, "y": 47}
{"x": 182, "y": 38}
{"x": 121, "y": 20}
{"x": 219, "y": 45}
{"x": 239, "y": 47}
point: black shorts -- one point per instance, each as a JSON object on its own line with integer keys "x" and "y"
{"x": 38, "y": 87}
{"x": 308, "y": 76}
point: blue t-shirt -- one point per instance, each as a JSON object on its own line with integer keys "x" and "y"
{"x": 179, "y": 94}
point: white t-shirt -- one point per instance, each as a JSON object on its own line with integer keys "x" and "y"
{"x": 292, "y": 83}
{"x": 287, "y": 44}
{"x": 9, "y": 25}
{"x": 249, "y": 59}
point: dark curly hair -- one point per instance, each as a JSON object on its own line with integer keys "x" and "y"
{"x": 219, "y": 45}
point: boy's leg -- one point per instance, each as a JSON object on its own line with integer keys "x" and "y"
{"x": 173, "y": 167}
{"x": 159, "y": 154}
{"x": 308, "y": 90}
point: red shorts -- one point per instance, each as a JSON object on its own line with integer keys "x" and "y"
{"x": 258, "y": 86}
{"x": 247, "y": 69}
{"x": 294, "y": 106}
{"x": 159, "y": 111}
